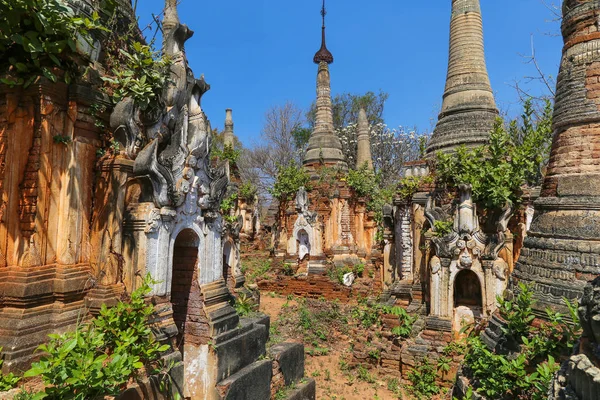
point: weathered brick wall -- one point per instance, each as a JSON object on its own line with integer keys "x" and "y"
{"x": 187, "y": 300}
{"x": 314, "y": 287}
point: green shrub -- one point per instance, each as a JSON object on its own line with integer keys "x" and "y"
{"x": 7, "y": 381}
{"x": 243, "y": 305}
{"x": 100, "y": 357}
{"x": 527, "y": 373}
{"x": 363, "y": 181}
{"x": 518, "y": 312}
{"x": 423, "y": 380}
{"x": 228, "y": 153}
{"x": 442, "y": 228}
{"x": 498, "y": 170}
{"x": 248, "y": 192}
{"x": 288, "y": 181}
{"x": 142, "y": 76}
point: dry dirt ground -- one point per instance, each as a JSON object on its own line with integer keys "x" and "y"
{"x": 332, "y": 381}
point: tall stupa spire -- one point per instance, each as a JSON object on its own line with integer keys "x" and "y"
{"x": 324, "y": 146}
{"x": 228, "y": 137}
{"x": 468, "y": 109}
{"x": 363, "y": 154}
{"x": 323, "y": 55}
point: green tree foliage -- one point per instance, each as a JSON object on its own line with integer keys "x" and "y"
{"x": 37, "y": 36}
{"x": 497, "y": 171}
{"x": 289, "y": 180}
{"x": 248, "y": 192}
{"x": 346, "y": 107}
{"x": 100, "y": 357}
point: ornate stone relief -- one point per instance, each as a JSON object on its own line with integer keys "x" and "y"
{"x": 466, "y": 248}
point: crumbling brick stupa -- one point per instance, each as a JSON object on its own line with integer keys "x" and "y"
{"x": 326, "y": 224}
{"x": 561, "y": 251}
{"x": 79, "y": 227}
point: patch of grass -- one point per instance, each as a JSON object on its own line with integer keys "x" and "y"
{"x": 255, "y": 269}
{"x": 364, "y": 375}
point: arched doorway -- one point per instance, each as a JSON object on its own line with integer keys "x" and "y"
{"x": 468, "y": 300}
{"x": 467, "y": 290}
{"x": 303, "y": 244}
{"x": 185, "y": 282}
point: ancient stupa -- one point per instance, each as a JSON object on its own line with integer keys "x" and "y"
{"x": 562, "y": 252}
{"x": 324, "y": 147}
{"x": 468, "y": 108}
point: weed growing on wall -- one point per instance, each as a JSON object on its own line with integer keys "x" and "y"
{"x": 7, "y": 381}
{"x": 288, "y": 181}
{"x": 142, "y": 75}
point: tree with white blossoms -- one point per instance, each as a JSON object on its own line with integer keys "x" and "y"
{"x": 390, "y": 149}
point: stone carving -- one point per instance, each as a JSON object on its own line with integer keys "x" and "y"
{"x": 302, "y": 204}
{"x": 589, "y": 314}
{"x": 466, "y": 248}
{"x": 170, "y": 144}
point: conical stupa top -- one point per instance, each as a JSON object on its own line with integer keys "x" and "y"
{"x": 324, "y": 146}
{"x": 363, "y": 155}
{"x": 228, "y": 134}
{"x": 468, "y": 109}
{"x": 323, "y": 54}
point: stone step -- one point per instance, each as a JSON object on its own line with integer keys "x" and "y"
{"x": 288, "y": 359}
{"x": 306, "y": 390}
{"x": 235, "y": 354}
{"x": 252, "y": 382}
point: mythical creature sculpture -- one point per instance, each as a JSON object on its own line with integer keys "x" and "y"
{"x": 170, "y": 143}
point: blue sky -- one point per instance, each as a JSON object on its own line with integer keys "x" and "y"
{"x": 257, "y": 54}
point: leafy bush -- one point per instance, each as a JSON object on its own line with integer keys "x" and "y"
{"x": 518, "y": 312}
{"x": 512, "y": 158}
{"x": 7, "y": 381}
{"x": 527, "y": 373}
{"x": 370, "y": 314}
{"x": 228, "y": 153}
{"x": 39, "y": 35}
{"x": 289, "y": 180}
{"x": 243, "y": 305}
{"x": 336, "y": 274}
{"x": 228, "y": 204}
{"x": 408, "y": 186}
{"x": 442, "y": 228}
{"x": 406, "y": 322}
{"x": 248, "y": 192}
{"x": 142, "y": 76}
{"x": 423, "y": 379}
{"x": 363, "y": 181}
{"x": 99, "y": 358}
